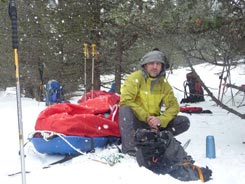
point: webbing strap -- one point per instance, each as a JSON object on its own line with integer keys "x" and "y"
{"x": 92, "y": 145}
{"x": 199, "y": 173}
{"x": 199, "y": 170}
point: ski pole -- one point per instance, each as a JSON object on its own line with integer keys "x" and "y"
{"x": 220, "y": 83}
{"x": 13, "y": 17}
{"x": 93, "y": 57}
{"x": 86, "y": 55}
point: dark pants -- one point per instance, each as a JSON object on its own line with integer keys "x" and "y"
{"x": 129, "y": 124}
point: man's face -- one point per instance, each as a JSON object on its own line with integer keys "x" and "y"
{"x": 154, "y": 68}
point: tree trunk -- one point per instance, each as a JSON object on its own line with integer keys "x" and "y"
{"x": 121, "y": 47}
{"x": 118, "y": 62}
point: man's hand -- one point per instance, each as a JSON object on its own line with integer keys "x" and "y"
{"x": 154, "y": 122}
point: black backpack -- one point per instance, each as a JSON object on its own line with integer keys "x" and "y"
{"x": 195, "y": 93}
{"x": 161, "y": 153}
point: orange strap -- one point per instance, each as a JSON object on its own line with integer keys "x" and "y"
{"x": 199, "y": 170}
{"x": 199, "y": 173}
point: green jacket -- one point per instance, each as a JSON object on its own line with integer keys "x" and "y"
{"x": 147, "y": 95}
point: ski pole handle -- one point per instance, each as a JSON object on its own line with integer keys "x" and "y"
{"x": 93, "y": 50}
{"x": 93, "y": 55}
{"x": 85, "y": 50}
{"x": 13, "y": 17}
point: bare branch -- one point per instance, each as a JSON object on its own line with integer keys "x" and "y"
{"x": 218, "y": 102}
{"x": 240, "y": 88}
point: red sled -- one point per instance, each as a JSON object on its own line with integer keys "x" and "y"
{"x": 85, "y": 126}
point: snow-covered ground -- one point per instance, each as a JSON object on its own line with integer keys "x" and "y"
{"x": 228, "y": 129}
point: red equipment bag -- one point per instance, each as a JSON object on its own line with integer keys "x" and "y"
{"x": 95, "y": 117}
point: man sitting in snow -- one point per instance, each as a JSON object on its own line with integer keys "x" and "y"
{"x": 142, "y": 96}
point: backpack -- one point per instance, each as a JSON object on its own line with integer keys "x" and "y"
{"x": 161, "y": 153}
{"x": 54, "y": 93}
{"x": 195, "y": 89}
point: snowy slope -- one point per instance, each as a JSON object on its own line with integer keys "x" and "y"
{"x": 228, "y": 130}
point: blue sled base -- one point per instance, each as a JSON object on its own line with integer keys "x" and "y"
{"x": 66, "y": 144}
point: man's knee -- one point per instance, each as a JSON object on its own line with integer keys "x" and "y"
{"x": 185, "y": 122}
{"x": 179, "y": 125}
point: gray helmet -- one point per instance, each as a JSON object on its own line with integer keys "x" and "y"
{"x": 153, "y": 56}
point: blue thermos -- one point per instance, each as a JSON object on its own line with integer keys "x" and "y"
{"x": 210, "y": 147}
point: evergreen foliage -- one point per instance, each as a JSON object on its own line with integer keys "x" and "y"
{"x": 52, "y": 34}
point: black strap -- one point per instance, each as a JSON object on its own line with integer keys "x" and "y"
{"x": 185, "y": 91}
{"x": 115, "y": 142}
{"x": 65, "y": 159}
{"x": 92, "y": 145}
{"x": 13, "y": 174}
{"x": 207, "y": 111}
